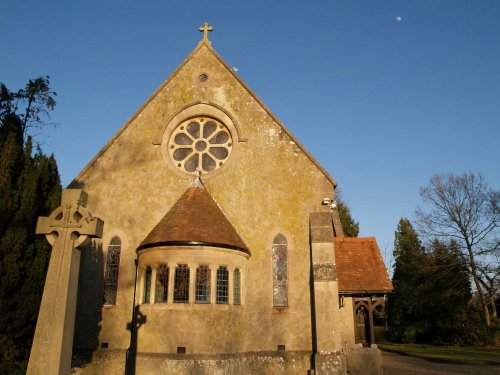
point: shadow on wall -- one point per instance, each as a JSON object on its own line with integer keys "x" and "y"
{"x": 89, "y": 304}
{"x": 137, "y": 321}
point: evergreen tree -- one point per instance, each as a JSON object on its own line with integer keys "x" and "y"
{"x": 448, "y": 294}
{"x": 432, "y": 292}
{"x": 350, "y": 227}
{"x": 404, "y": 305}
{"x": 29, "y": 187}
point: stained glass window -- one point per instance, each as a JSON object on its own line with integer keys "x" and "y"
{"x": 237, "y": 287}
{"x": 112, "y": 270}
{"x": 203, "y": 284}
{"x": 222, "y": 285}
{"x": 200, "y": 145}
{"x": 161, "y": 291}
{"x": 181, "y": 283}
{"x": 280, "y": 272}
{"x": 147, "y": 285}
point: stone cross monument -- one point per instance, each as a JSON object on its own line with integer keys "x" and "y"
{"x": 67, "y": 228}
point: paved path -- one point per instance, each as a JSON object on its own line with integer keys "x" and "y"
{"x": 396, "y": 364}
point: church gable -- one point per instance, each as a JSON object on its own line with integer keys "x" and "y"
{"x": 202, "y": 78}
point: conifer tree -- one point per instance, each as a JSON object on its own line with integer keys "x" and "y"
{"x": 408, "y": 278}
{"x": 350, "y": 227}
{"x": 447, "y": 294}
{"x": 29, "y": 187}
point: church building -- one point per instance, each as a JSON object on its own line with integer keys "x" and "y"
{"x": 222, "y": 249}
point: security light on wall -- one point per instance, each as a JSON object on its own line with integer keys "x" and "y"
{"x": 328, "y": 201}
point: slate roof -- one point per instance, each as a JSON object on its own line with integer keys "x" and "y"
{"x": 360, "y": 268}
{"x": 195, "y": 220}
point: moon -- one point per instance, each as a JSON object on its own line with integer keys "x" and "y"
{"x": 399, "y": 19}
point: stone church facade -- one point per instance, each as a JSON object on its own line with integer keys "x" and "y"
{"x": 218, "y": 253}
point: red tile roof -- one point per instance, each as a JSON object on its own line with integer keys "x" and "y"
{"x": 195, "y": 220}
{"x": 360, "y": 268}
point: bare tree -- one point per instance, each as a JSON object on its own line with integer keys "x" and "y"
{"x": 465, "y": 209}
{"x": 489, "y": 277}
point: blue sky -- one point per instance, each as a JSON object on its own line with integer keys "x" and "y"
{"x": 383, "y": 103}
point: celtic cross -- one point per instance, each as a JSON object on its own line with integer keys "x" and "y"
{"x": 68, "y": 227}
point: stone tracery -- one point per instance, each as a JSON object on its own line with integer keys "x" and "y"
{"x": 200, "y": 144}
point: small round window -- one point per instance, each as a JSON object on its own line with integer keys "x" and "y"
{"x": 200, "y": 144}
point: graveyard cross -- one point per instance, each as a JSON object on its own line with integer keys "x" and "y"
{"x": 67, "y": 228}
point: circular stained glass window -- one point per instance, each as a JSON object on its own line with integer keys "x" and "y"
{"x": 200, "y": 144}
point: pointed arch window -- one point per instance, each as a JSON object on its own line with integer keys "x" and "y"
{"x": 280, "y": 271}
{"x": 112, "y": 270}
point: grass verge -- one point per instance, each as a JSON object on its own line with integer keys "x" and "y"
{"x": 466, "y": 355}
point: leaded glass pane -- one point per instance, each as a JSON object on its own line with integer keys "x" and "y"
{"x": 219, "y": 152}
{"x": 209, "y": 128}
{"x": 182, "y": 139}
{"x": 208, "y": 163}
{"x": 112, "y": 271}
{"x": 194, "y": 129}
{"x": 191, "y": 164}
{"x": 220, "y": 138}
{"x": 161, "y": 291}
{"x": 237, "y": 287}
{"x": 181, "y": 283}
{"x": 147, "y": 285}
{"x": 182, "y": 153}
{"x": 203, "y": 284}
{"x": 222, "y": 285}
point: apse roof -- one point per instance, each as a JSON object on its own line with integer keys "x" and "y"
{"x": 197, "y": 220}
{"x": 360, "y": 268}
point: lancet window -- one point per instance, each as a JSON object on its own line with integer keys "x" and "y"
{"x": 237, "y": 287}
{"x": 147, "y": 285}
{"x": 222, "y": 285}
{"x": 161, "y": 291}
{"x": 203, "y": 284}
{"x": 181, "y": 283}
{"x": 280, "y": 271}
{"x": 112, "y": 270}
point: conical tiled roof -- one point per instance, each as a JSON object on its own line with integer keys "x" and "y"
{"x": 195, "y": 220}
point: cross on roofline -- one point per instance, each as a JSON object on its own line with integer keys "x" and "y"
{"x": 205, "y": 29}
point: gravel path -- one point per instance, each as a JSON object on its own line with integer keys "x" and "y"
{"x": 396, "y": 364}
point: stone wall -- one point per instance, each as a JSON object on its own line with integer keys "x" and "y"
{"x": 269, "y": 185}
{"x": 353, "y": 361}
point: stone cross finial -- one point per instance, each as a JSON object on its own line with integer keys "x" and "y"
{"x": 205, "y": 29}
{"x": 68, "y": 227}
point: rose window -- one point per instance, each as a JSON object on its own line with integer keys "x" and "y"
{"x": 200, "y": 144}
